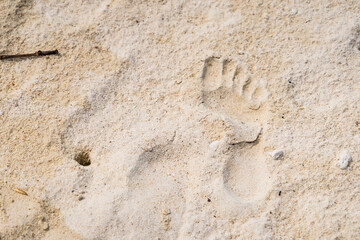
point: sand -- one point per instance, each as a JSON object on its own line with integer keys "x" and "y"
{"x": 161, "y": 120}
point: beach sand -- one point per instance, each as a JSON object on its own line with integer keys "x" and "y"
{"x": 180, "y": 120}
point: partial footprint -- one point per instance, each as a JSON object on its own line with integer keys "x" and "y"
{"x": 155, "y": 184}
{"x": 230, "y": 90}
{"x": 246, "y": 175}
{"x": 218, "y": 72}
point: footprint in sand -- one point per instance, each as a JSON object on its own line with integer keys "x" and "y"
{"x": 246, "y": 174}
{"x": 155, "y": 184}
{"x": 229, "y": 89}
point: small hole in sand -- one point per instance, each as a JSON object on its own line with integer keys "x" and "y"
{"x": 83, "y": 158}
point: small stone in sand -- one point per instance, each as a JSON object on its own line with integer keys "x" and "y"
{"x": 214, "y": 145}
{"x": 45, "y": 226}
{"x": 294, "y": 11}
{"x": 43, "y": 223}
{"x": 345, "y": 159}
{"x": 277, "y": 154}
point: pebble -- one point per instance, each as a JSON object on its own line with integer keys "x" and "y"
{"x": 294, "y": 11}
{"x": 277, "y": 154}
{"x": 45, "y": 226}
{"x": 43, "y": 223}
{"x": 1, "y": 112}
{"x": 214, "y": 145}
{"x": 345, "y": 159}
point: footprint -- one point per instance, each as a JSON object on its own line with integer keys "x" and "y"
{"x": 229, "y": 89}
{"x": 155, "y": 184}
{"x": 246, "y": 175}
{"x": 218, "y": 72}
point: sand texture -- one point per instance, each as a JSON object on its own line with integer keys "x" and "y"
{"x": 180, "y": 120}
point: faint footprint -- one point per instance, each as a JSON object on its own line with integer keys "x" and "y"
{"x": 246, "y": 175}
{"x": 230, "y": 90}
{"x": 155, "y": 184}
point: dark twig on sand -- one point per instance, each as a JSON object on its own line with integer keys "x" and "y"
{"x": 35, "y": 54}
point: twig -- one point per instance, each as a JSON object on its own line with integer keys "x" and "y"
{"x": 18, "y": 190}
{"x": 35, "y": 54}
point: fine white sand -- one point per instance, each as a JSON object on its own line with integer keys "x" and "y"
{"x": 157, "y": 118}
